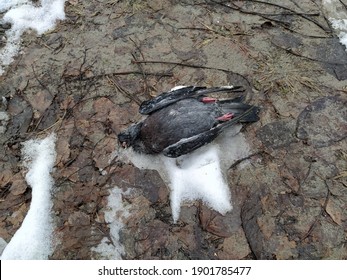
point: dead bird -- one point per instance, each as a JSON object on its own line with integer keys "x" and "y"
{"x": 185, "y": 118}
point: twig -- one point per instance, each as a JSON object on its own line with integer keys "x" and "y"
{"x": 342, "y": 174}
{"x": 123, "y": 91}
{"x": 308, "y": 233}
{"x": 163, "y": 74}
{"x": 59, "y": 121}
{"x": 266, "y": 16}
{"x": 140, "y": 66}
{"x": 236, "y": 163}
{"x": 304, "y": 15}
{"x": 343, "y": 4}
{"x": 187, "y": 65}
{"x": 290, "y": 51}
{"x": 40, "y": 82}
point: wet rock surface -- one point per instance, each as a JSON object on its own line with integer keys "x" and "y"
{"x": 85, "y": 80}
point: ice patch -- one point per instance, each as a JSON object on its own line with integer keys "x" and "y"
{"x": 23, "y": 15}
{"x": 113, "y": 249}
{"x": 200, "y": 174}
{"x": 33, "y": 240}
{"x": 337, "y": 14}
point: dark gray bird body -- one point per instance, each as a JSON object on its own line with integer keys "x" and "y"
{"x": 184, "y": 120}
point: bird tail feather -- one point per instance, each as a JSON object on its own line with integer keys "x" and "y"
{"x": 247, "y": 113}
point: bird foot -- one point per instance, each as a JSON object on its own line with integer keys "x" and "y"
{"x": 226, "y": 117}
{"x": 208, "y": 100}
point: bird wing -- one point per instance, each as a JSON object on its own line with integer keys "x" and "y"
{"x": 166, "y": 98}
{"x": 187, "y": 145}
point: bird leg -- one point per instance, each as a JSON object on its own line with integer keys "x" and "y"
{"x": 206, "y": 99}
{"x": 226, "y": 117}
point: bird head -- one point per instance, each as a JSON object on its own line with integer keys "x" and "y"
{"x": 128, "y": 136}
{"x": 124, "y": 139}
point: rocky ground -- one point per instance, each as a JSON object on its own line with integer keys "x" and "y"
{"x": 85, "y": 80}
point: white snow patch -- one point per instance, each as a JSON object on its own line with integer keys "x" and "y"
{"x": 200, "y": 174}
{"x": 33, "y": 240}
{"x": 337, "y": 15}
{"x": 177, "y": 87}
{"x": 24, "y": 15}
{"x": 114, "y": 214}
{"x": 4, "y": 118}
{"x": 180, "y": 86}
{"x": 341, "y": 26}
{"x": 228, "y": 87}
{"x": 5, "y": 5}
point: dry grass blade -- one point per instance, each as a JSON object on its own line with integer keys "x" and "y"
{"x": 343, "y": 174}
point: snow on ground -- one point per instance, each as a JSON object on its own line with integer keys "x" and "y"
{"x": 33, "y": 240}
{"x": 24, "y": 15}
{"x": 198, "y": 175}
{"x": 337, "y": 15}
{"x": 4, "y": 118}
{"x": 8, "y": 4}
{"x": 113, "y": 249}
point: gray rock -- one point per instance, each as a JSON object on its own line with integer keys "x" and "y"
{"x": 324, "y": 122}
{"x": 277, "y": 134}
